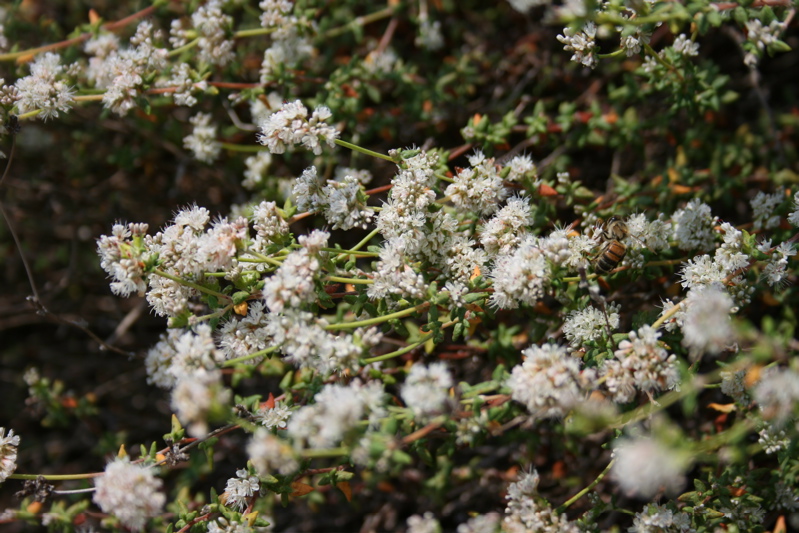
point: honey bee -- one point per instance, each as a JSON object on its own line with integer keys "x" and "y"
{"x": 612, "y": 251}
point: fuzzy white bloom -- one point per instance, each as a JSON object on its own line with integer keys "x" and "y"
{"x": 276, "y": 417}
{"x": 763, "y": 36}
{"x": 527, "y": 512}
{"x": 521, "y": 277}
{"x": 212, "y": 25}
{"x": 478, "y": 189}
{"x": 734, "y": 384}
{"x": 693, "y": 226}
{"x": 180, "y": 356}
{"x": 659, "y": 518}
{"x": 582, "y": 43}
{"x": 346, "y": 204}
{"x": 653, "y": 235}
{"x": 549, "y": 382}
{"x": 393, "y": 274}
{"x": 640, "y": 364}
{"x": 8, "y": 453}
{"x": 240, "y": 489}
{"x": 270, "y": 454}
{"x": 777, "y": 393}
{"x": 793, "y": 217}
{"x": 776, "y": 269}
{"x": 257, "y": 166}
{"x": 423, "y": 524}
{"x": 197, "y": 399}
{"x": 202, "y": 140}
{"x": 644, "y": 465}
{"x": 268, "y": 223}
{"x": 773, "y": 439}
{"x": 294, "y": 282}
{"x": 707, "y": 327}
{"x": 763, "y": 206}
{"x": 307, "y": 345}
{"x": 632, "y": 44}
{"x": 240, "y": 337}
{"x": 589, "y": 324}
{"x": 291, "y": 126}
{"x": 123, "y": 258}
{"x": 42, "y": 90}
{"x": 182, "y": 79}
{"x": 683, "y": 45}
{"x": 482, "y": 523}
{"x": 122, "y": 72}
{"x": 502, "y": 233}
{"x": 336, "y": 411}
{"x": 429, "y": 34}
{"x": 425, "y": 390}
{"x": 521, "y": 167}
{"x": 130, "y": 492}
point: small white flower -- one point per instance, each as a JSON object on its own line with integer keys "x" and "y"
{"x": 130, "y": 492}
{"x": 643, "y": 466}
{"x": 8, "y": 453}
{"x": 683, "y": 45}
{"x": 240, "y": 489}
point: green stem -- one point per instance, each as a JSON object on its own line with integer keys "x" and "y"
{"x": 253, "y": 32}
{"x": 356, "y": 148}
{"x": 243, "y": 358}
{"x": 215, "y": 314}
{"x": 616, "y": 53}
{"x": 669, "y": 66}
{"x": 402, "y": 351}
{"x": 191, "y": 284}
{"x": 586, "y": 490}
{"x": 376, "y": 320}
{"x": 360, "y": 21}
{"x": 56, "y": 477}
{"x": 354, "y": 281}
{"x": 364, "y": 242}
{"x": 667, "y": 315}
{"x": 188, "y": 46}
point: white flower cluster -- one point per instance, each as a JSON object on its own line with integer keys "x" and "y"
{"x": 527, "y": 512}
{"x": 294, "y": 283}
{"x": 257, "y": 165}
{"x": 202, "y": 140}
{"x": 520, "y": 277}
{"x": 211, "y": 27}
{"x": 762, "y": 37}
{"x": 271, "y": 455}
{"x": 336, "y": 410}
{"x": 42, "y": 90}
{"x": 291, "y": 126}
{"x": 306, "y": 344}
{"x": 777, "y": 394}
{"x": 425, "y": 390}
{"x": 693, "y": 226}
{"x": 123, "y": 257}
{"x": 242, "y": 336}
{"x": 776, "y": 268}
{"x": 706, "y": 326}
{"x": 288, "y": 46}
{"x": 683, "y": 45}
{"x": 130, "y": 492}
{"x": 589, "y": 324}
{"x": 582, "y": 43}
{"x": 121, "y": 72}
{"x": 763, "y": 206}
{"x": 8, "y": 453}
{"x": 643, "y": 465}
{"x": 522, "y": 167}
{"x": 199, "y": 399}
{"x": 478, "y": 189}
{"x": 549, "y": 382}
{"x": 661, "y": 519}
{"x": 640, "y": 364}
{"x": 183, "y": 84}
{"x": 342, "y": 201}
{"x": 240, "y": 489}
{"x": 506, "y": 229}
{"x": 276, "y": 417}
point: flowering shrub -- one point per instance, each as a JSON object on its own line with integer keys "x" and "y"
{"x": 429, "y": 265}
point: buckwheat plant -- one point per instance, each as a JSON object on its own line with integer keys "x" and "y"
{"x": 345, "y": 266}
